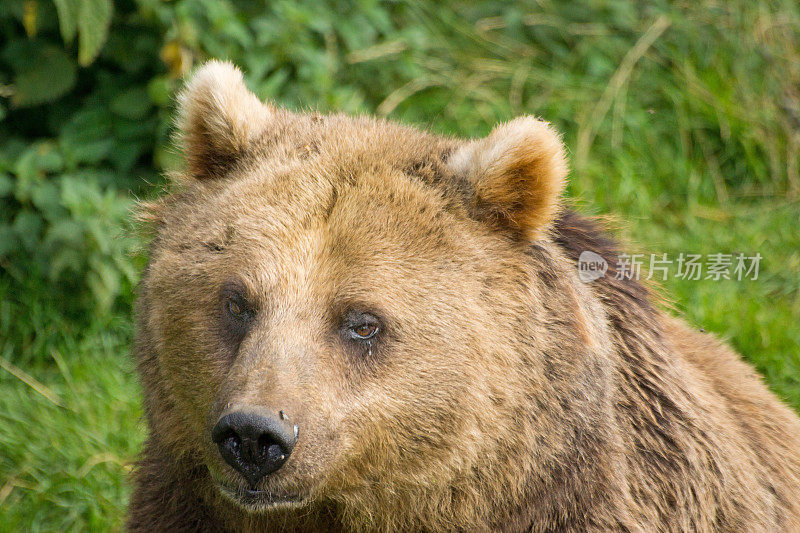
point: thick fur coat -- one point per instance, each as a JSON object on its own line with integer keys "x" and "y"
{"x": 499, "y": 391}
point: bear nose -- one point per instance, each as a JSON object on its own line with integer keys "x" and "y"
{"x": 253, "y": 444}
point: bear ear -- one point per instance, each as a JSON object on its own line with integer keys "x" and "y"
{"x": 218, "y": 118}
{"x": 517, "y": 173}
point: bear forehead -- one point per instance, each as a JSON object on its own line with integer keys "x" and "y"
{"x": 350, "y": 142}
{"x": 296, "y": 211}
{"x": 312, "y": 169}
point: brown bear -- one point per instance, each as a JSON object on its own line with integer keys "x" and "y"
{"x": 351, "y": 325}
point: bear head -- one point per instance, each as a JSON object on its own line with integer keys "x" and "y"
{"x": 348, "y": 312}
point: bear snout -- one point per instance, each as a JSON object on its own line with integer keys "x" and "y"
{"x": 255, "y": 443}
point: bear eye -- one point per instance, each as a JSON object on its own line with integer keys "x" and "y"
{"x": 234, "y": 308}
{"x": 364, "y": 332}
{"x": 362, "y": 326}
{"x": 237, "y": 308}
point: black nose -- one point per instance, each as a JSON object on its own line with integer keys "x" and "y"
{"x": 254, "y": 444}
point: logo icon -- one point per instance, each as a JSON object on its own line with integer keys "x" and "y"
{"x": 591, "y": 266}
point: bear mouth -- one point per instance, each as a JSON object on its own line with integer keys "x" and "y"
{"x": 260, "y": 500}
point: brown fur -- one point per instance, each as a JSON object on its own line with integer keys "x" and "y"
{"x": 503, "y": 393}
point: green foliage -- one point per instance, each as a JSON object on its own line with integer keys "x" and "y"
{"x": 93, "y": 20}
{"x": 65, "y": 224}
{"x": 42, "y": 72}
{"x": 90, "y": 19}
{"x": 681, "y": 118}
{"x": 75, "y": 144}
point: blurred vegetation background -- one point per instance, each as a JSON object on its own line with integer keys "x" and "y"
{"x": 682, "y": 118}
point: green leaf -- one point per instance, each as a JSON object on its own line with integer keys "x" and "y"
{"x": 38, "y": 159}
{"x": 67, "y": 18}
{"x": 33, "y": 165}
{"x": 91, "y": 152}
{"x": 86, "y": 138}
{"x": 46, "y": 197}
{"x": 67, "y": 233}
{"x": 28, "y": 225}
{"x": 8, "y": 239}
{"x": 43, "y": 72}
{"x": 6, "y": 184}
{"x": 125, "y": 155}
{"x": 159, "y": 89}
{"x": 104, "y": 282}
{"x": 133, "y": 103}
{"x": 94, "y": 18}
{"x": 66, "y": 259}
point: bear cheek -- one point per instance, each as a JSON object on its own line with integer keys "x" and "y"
{"x": 191, "y": 357}
{"x": 405, "y": 419}
{"x": 193, "y": 380}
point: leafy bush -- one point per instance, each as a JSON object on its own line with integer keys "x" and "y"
{"x": 75, "y": 143}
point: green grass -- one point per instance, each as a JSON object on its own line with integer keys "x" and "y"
{"x": 681, "y": 119}
{"x": 68, "y": 435}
